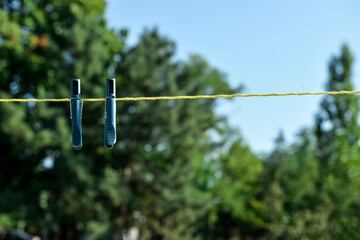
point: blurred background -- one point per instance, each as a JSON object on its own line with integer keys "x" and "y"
{"x": 259, "y": 168}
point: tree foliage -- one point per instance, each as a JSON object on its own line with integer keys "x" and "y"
{"x": 178, "y": 170}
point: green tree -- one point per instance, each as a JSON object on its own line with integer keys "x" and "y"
{"x": 148, "y": 180}
{"x": 312, "y": 188}
{"x": 162, "y": 144}
{"x": 291, "y": 191}
{"x": 44, "y": 184}
{"x": 275, "y": 180}
{"x": 337, "y": 135}
{"x": 235, "y": 185}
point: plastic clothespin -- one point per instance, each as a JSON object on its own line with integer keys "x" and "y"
{"x": 110, "y": 114}
{"x": 76, "y": 108}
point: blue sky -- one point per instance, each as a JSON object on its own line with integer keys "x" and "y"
{"x": 269, "y": 46}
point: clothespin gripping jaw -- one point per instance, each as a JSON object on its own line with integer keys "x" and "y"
{"x": 110, "y": 114}
{"x": 76, "y": 108}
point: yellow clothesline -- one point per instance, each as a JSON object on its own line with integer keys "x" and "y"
{"x": 181, "y": 97}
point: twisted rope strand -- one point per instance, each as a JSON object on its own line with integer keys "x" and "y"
{"x": 182, "y": 97}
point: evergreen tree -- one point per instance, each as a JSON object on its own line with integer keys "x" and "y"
{"x": 44, "y": 184}
{"x": 291, "y": 194}
{"x": 337, "y": 135}
{"x": 148, "y": 180}
{"x": 168, "y": 175}
{"x": 274, "y": 180}
{"x": 237, "y": 207}
{"x": 163, "y": 143}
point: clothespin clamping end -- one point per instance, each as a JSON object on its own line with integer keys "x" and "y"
{"x": 110, "y": 114}
{"x": 76, "y": 108}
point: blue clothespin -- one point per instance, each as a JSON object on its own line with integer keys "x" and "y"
{"x": 110, "y": 114}
{"x": 76, "y": 107}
